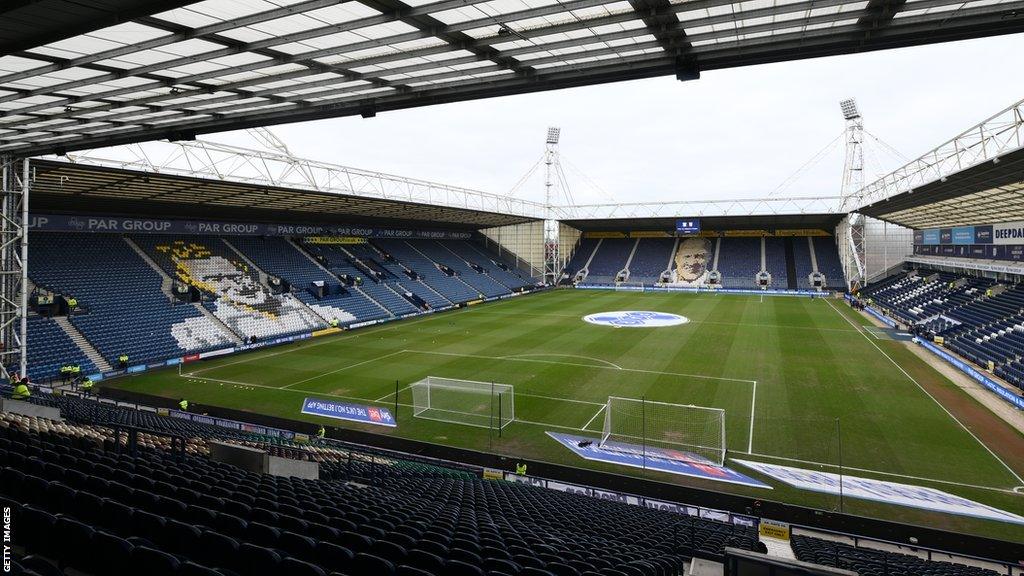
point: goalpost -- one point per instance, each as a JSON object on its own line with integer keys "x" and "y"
{"x": 482, "y": 404}
{"x": 675, "y": 431}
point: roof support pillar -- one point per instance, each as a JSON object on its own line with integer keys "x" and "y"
{"x": 14, "y": 195}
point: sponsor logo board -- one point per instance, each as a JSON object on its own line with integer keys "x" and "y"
{"x": 351, "y": 412}
{"x": 1000, "y": 390}
{"x": 333, "y": 232}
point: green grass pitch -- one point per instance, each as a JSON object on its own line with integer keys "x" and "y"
{"x": 784, "y": 369}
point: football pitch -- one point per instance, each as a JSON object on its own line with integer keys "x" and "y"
{"x": 803, "y": 383}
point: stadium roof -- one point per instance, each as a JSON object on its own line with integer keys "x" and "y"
{"x": 826, "y": 222}
{"x": 976, "y": 177}
{"x": 90, "y": 73}
{"x": 982, "y": 194}
{"x": 82, "y": 188}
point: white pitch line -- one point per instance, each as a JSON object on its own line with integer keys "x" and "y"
{"x": 612, "y": 364}
{"x": 753, "y": 403}
{"x": 944, "y": 409}
{"x": 343, "y": 397}
{"x": 523, "y": 394}
{"x": 343, "y": 368}
{"x": 248, "y": 357}
{"x": 546, "y": 425}
{"x": 494, "y": 312}
{"x": 393, "y": 393}
{"x": 556, "y": 398}
{"x": 189, "y": 374}
{"x": 639, "y": 370}
{"x": 870, "y": 471}
{"x": 381, "y": 399}
{"x": 594, "y": 417}
{"x": 317, "y": 393}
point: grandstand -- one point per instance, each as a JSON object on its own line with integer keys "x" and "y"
{"x": 729, "y": 253}
{"x": 652, "y": 257}
{"x": 213, "y": 357}
{"x": 151, "y": 509}
{"x": 239, "y": 296}
{"x": 102, "y": 273}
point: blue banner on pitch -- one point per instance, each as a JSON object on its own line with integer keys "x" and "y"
{"x": 353, "y": 412}
{"x": 654, "y": 459}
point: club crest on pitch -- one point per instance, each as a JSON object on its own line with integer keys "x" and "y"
{"x": 635, "y": 319}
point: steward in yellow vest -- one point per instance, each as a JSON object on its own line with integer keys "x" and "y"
{"x": 21, "y": 392}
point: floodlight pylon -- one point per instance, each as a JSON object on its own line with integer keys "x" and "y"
{"x": 851, "y": 246}
{"x": 552, "y": 267}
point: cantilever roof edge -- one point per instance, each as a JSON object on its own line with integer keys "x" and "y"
{"x": 210, "y": 66}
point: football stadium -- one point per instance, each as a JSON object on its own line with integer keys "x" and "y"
{"x": 227, "y": 360}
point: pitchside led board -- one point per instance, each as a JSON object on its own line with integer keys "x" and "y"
{"x": 687, "y": 226}
{"x": 990, "y": 242}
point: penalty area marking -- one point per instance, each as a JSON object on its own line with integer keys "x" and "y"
{"x": 395, "y": 353}
{"x": 515, "y": 358}
{"x": 594, "y": 417}
{"x": 639, "y": 370}
{"x": 611, "y": 364}
{"x": 927, "y": 393}
{"x": 523, "y": 394}
{"x": 1017, "y": 490}
{"x": 753, "y": 383}
{"x": 357, "y": 398}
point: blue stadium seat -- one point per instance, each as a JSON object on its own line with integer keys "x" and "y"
{"x": 49, "y": 348}
{"x": 450, "y": 286}
{"x": 827, "y": 255}
{"x": 775, "y": 262}
{"x": 121, "y": 313}
{"x": 651, "y": 259}
{"x": 609, "y": 260}
{"x": 739, "y": 262}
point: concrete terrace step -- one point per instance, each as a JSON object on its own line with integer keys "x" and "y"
{"x": 332, "y": 275}
{"x": 165, "y": 281}
{"x": 228, "y": 332}
{"x": 90, "y": 352}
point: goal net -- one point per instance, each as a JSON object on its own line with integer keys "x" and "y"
{"x": 483, "y": 404}
{"x": 673, "y": 431}
{"x": 629, "y": 286}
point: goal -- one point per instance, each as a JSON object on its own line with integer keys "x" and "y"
{"x": 629, "y": 286}
{"x": 482, "y": 404}
{"x": 673, "y": 431}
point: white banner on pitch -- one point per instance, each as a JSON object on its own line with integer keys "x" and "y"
{"x": 882, "y": 491}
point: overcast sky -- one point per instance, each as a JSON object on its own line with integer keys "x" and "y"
{"x": 733, "y": 133}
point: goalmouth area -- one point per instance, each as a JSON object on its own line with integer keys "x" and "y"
{"x": 801, "y": 382}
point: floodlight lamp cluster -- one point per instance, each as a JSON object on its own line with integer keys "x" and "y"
{"x": 553, "y": 134}
{"x": 849, "y": 108}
